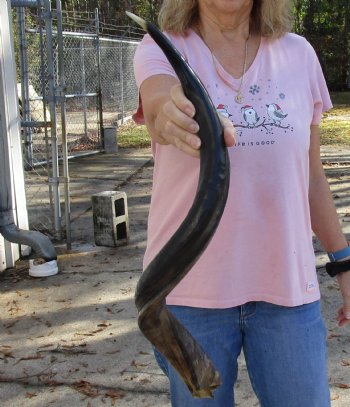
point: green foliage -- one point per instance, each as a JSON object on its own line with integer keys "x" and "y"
{"x": 341, "y": 99}
{"x": 112, "y": 10}
{"x": 326, "y": 24}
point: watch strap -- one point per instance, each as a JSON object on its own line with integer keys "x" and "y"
{"x": 334, "y": 268}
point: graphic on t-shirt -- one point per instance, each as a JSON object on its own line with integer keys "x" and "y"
{"x": 275, "y": 113}
{"x": 265, "y": 113}
{"x": 250, "y": 115}
{"x": 223, "y": 110}
{"x": 268, "y": 117}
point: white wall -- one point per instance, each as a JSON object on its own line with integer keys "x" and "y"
{"x": 10, "y": 128}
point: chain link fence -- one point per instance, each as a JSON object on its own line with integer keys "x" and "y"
{"x": 119, "y": 90}
{"x": 71, "y": 83}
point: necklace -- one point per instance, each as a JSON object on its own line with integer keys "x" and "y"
{"x": 239, "y": 98}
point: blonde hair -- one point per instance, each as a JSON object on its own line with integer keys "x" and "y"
{"x": 269, "y": 18}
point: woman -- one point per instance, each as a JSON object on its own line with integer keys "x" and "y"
{"x": 255, "y": 287}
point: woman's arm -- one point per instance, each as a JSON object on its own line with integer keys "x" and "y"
{"x": 169, "y": 115}
{"x": 324, "y": 219}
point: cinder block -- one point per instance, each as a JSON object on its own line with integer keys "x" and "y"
{"x": 111, "y": 220}
{"x": 110, "y": 143}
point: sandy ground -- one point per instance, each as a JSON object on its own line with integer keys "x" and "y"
{"x": 72, "y": 339}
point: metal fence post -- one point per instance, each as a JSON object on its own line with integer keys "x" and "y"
{"x": 62, "y": 100}
{"x": 54, "y": 180}
{"x": 23, "y": 61}
{"x": 83, "y": 83}
{"x": 121, "y": 79}
{"x": 99, "y": 87}
{"x": 43, "y": 91}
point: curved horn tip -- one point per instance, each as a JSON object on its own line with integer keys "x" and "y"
{"x": 140, "y": 21}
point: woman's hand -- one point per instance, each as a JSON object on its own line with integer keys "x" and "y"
{"x": 344, "y": 311}
{"x": 181, "y": 129}
{"x": 170, "y": 115}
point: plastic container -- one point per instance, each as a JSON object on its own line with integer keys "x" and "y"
{"x": 47, "y": 269}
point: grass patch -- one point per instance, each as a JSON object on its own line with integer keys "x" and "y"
{"x": 335, "y": 126}
{"x": 131, "y": 135}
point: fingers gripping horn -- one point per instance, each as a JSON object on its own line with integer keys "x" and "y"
{"x": 187, "y": 244}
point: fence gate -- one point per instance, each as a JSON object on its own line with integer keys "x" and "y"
{"x": 72, "y": 80}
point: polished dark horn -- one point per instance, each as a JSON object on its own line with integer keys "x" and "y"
{"x": 187, "y": 244}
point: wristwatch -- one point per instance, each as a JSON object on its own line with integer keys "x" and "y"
{"x": 337, "y": 264}
{"x": 335, "y": 267}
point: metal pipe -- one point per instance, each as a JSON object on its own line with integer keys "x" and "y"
{"x": 40, "y": 243}
{"x": 62, "y": 100}
{"x": 44, "y": 99}
{"x": 34, "y": 124}
{"x": 81, "y": 95}
{"x": 54, "y": 180}
{"x": 23, "y": 63}
{"x": 83, "y": 83}
{"x": 121, "y": 80}
{"x": 76, "y": 155}
{"x": 25, "y": 3}
{"x": 72, "y": 95}
{"x": 99, "y": 86}
{"x": 88, "y": 36}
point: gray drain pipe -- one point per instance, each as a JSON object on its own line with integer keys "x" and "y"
{"x": 40, "y": 243}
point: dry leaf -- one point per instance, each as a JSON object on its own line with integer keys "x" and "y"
{"x": 37, "y": 356}
{"x": 7, "y": 353}
{"x": 30, "y": 395}
{"x": 129, "y": 378}
{"x": 11, "y": 324}
{"x": 342, "y": 385}
{"x": 345, "y": 362}
{"x": 85, "y": 388}
{"x": 115, "y": 394}
{"x": 138, "y": 365}
{"x": 332, "y": 335}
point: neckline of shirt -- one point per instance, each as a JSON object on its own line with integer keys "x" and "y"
{"x": 227, "y": 77}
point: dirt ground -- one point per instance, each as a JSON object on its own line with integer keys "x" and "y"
{"x": 72, "y": 339}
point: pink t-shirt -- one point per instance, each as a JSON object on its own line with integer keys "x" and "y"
{"x": 262, "y": 249}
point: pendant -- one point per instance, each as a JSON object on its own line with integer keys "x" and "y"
{"x": 239, "y": 98}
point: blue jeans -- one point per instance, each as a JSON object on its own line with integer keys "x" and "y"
{"x": 284, "y": 349}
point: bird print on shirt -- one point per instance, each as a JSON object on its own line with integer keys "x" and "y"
{"x": 223, "y": 110}
{"x": 275, "y": 113}
{"x": 250, "y": 116}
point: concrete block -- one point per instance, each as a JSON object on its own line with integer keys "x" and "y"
{"x": 110, "y": 140}
{"x": 111, "y": 220}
